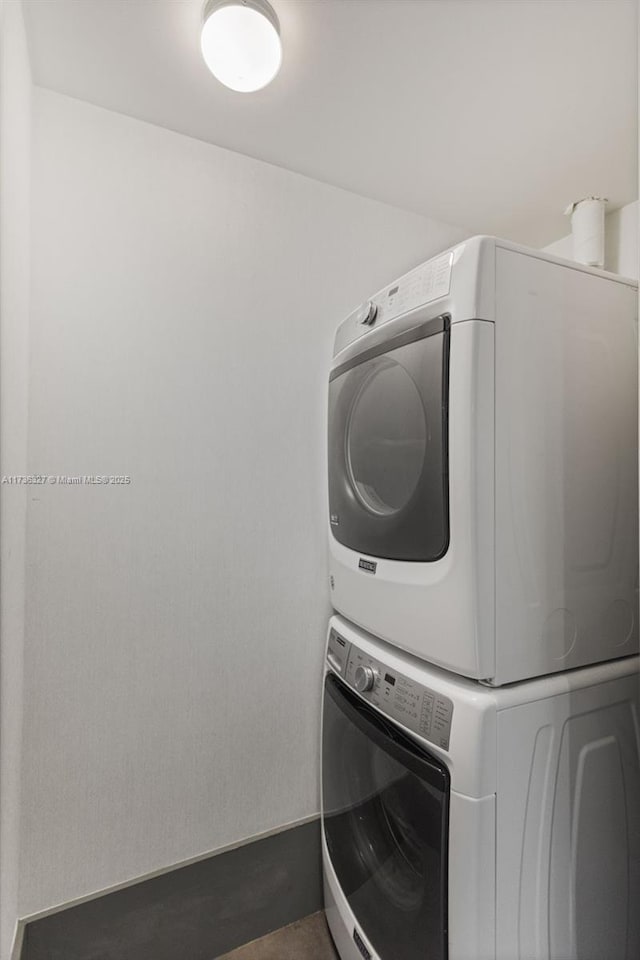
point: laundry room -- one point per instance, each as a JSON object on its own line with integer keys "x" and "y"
{"x": 319, "y": 460}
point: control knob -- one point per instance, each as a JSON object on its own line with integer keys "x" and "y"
{"x": 367, "y": 313}
{"x": 364, "y": 679}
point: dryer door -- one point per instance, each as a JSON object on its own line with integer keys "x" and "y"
{"x": 385, "y": 808}
{"x": 388, "y": 484}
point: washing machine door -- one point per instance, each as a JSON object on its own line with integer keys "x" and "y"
{"x": 385, "y": 821}
{"x": 388, "y": 467}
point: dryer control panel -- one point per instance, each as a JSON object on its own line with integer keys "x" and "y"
{"x": 425, "y": 283}
{"x": 421, "y": 709}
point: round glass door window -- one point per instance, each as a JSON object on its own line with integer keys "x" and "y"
{"x": 387, "y": 827}
{"x": 386, "y": 439}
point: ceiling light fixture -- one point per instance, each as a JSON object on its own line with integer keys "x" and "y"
{"x": 241, "y": 43}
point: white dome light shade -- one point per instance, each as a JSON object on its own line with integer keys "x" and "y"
{"x": 241, "y": 43}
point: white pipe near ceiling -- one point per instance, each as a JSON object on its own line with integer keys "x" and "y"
{"x": 587, "y": 230}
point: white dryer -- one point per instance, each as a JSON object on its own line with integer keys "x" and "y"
{"x": 483, "y": 463}
{"x": 462, "y": 822}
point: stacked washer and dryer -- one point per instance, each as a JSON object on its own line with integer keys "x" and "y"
{"x": 480, "y": 743}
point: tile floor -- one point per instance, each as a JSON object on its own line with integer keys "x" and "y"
{"x": 306, "y": 939}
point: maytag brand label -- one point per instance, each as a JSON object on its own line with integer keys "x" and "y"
{"x": 368, "y": 565}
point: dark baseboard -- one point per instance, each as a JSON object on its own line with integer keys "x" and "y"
{"x": 197, "y": 912}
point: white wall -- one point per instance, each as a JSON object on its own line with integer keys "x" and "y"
{"x": 184, "y": 301}
{"x": 15, "y": 133}
{"x": 621, "y": 241}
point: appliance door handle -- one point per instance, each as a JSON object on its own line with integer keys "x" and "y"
{"x": 428, "y": 328}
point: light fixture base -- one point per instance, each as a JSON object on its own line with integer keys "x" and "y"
{"x": 262, "y": 6}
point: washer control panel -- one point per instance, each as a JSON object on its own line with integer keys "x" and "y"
{"x": 425, "y": 711}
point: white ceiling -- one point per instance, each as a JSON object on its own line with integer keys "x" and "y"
{"x": 490, "y": 114}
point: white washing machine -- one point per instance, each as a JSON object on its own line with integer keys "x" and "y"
{"x": 461, "y": 822}
{"x": 483, "y": 463}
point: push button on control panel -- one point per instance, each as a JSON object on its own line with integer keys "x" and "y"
{"x": 337, "y": 652}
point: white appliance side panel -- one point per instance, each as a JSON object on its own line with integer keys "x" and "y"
{"x": 472, "y": 878}
{"x": 568, "y": 827}
{"x": 594, "y": 891}
{"x": 566, "y": 468}
{"x": 527, "y": 747}
{"x": 442, "y": 612}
